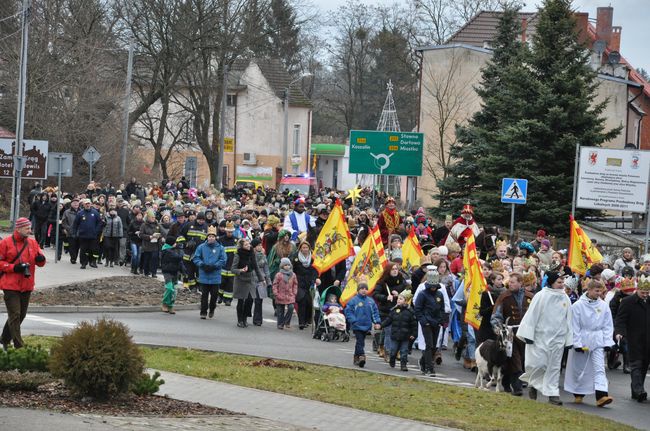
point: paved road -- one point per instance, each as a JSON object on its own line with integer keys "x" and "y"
{"x": 185, "y": 329}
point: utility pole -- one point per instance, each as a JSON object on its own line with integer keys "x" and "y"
{"x": 127, "y": 99}
{"x": 285, "y": 146}
{"x": 222, "y": 129}
{"x": 20, "y": 113}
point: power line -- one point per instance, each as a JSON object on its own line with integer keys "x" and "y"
{"x": 12, "y": 34}
{"x": 10, "y": 17}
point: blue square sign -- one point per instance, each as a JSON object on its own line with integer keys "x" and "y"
{"x": 514, "y": 190}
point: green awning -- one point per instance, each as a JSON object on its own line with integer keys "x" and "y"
{"x": 328, "y": 149}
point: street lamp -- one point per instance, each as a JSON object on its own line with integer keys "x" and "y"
{"x": 285, "y": 147}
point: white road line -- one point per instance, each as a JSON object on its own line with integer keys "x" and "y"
{"x": 49, "y": 321}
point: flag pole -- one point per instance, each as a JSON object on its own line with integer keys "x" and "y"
{"x": 575, "y": 181}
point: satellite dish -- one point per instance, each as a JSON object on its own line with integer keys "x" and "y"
{"x": 599, "y": 47}
{"x": 614, "y": 57}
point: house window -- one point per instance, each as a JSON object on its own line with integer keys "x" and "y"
{"x": 191, "y": 169}
{"x": 231, "y": 100}
{"x": 296, "y": 139}
{"x": 187, "y": 131}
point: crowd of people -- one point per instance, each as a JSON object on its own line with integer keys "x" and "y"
{"x": 250, "y": 245}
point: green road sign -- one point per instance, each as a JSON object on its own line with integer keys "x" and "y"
{"x": 386, "y": 153}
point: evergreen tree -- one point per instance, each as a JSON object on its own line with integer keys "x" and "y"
{"x": 482, "y": 143}
{"x": 564, "y": 114}
{"x": 284, "y": 34}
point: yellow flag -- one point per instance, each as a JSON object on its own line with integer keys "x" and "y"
{"x": 368, "y": 264}
{"x": 582, "y": 253}
{"x": 411, "y": 251}
{"x": 475, "y": 283}
{"x": 334, "y": 242}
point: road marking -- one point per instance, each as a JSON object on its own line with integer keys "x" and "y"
{"x": 270, "y": 320}
{"x": 49, "y": 321}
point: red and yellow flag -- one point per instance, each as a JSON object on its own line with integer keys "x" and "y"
{"x": 582, "y": 253}
{"x": 411, "y": 251}
{"x": 334, "y": 243}
{"x": 369, "y": 265}
{"x": 475, "y": 283}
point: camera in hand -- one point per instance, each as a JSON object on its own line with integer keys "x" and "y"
{"x": 26, "y": 271}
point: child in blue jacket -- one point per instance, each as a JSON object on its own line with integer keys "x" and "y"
{"x": 361, "y": 313}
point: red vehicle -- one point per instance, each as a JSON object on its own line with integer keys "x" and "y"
{"x": 302, "y": 184}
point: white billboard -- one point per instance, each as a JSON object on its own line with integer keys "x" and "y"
{"x": 614, "y": 180}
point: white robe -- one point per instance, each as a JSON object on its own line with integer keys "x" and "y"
{"x": 548, "y": 324}
{"x": 420, "y": 340}
{"x": 592, "y": 328}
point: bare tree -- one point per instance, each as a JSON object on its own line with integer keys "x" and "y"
{"x": 448, "y": 98}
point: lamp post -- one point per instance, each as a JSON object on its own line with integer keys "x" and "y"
{"x": 285, "y": 147}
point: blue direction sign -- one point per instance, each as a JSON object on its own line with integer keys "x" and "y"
{"x": 514, "y": 191}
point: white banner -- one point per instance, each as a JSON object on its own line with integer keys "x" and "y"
{"x": 614, "y": 180}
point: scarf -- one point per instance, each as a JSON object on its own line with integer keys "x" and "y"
{"x": 287, "y": 273}
{"x": 305, "y": 260}
{"x": 245, "y": 258}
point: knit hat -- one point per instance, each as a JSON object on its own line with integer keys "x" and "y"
{"x": 541, "y": 233}
{"x": 362, "y": 285}
{"x": 546, "y": 243}
{"x": 443, "y": 251}
{"x": 551, "y": 277}
{"x": 285, "y": 261}
{"x": 607, "y": 274}
{"x": 23, "y": 222}
{"x": 170, "y": 240}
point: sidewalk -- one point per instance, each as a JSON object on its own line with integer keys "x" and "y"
{"x": 278, "y": 407}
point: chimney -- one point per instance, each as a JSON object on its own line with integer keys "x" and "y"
{"x": 604, "y": 16}
{"x": 524, "y": 27}
{"x": 615, "y": 42}
{"x": 582, "y": 27}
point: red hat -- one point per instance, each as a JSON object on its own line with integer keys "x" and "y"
{"x": 467, "y": 209}
{"x": 541, "y": 233}
{"x": 22, "y": 222}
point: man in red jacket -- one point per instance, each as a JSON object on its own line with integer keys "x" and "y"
{"x": 19, "y": 256}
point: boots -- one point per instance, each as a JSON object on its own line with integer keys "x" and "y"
{"x": 467, "y": 364}
{"x": 555, "y": 401}
{"x": 362, "y": 361}
{"x": 437, "y": 357}
{"x": 165, "y": 308}
{"x": 403, "y": 365}
{"x": 391, "y": 361}
{"x": 381, "y": 352}
{"x": 355, "y": 360}
{"x": 171, "y": 311}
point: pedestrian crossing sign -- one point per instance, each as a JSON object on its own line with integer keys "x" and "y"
{"x": 514, "y": 191}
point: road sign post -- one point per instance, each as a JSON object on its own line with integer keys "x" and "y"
{"x": 514, "y": 191}
{"x": 91, "y": 155}
{"x": 63, "y": 168}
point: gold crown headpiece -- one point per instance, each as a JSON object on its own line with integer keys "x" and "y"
{"x": 501, "y": 243}
{"x": 643, "y": 283}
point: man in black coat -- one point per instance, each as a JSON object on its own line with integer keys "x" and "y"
{"x": 633, "y": 323}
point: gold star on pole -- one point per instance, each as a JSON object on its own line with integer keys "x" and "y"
{"x": 354, "y": 194}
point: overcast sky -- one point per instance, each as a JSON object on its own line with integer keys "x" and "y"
{"x": 632, "y": 15}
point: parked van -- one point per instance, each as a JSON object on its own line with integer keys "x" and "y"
{"x": 302, "y": 184}
{"x": 249, "y": 184}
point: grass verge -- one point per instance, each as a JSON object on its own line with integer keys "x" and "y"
{"x": 410, "y": 398}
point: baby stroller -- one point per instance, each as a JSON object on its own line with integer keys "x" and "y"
{"x": 329, "y": 324}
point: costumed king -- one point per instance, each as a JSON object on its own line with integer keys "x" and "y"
{"x": 463, "y": 226}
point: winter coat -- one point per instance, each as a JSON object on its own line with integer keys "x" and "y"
{"x": 209, "y": 254}
{"x": 380, "y": 294}
{"x": 284, "y": 291}
{"x": 133, "y": 228}
{"x": 113, "y": 227}
{"x": 403, "y": 323}
{"x": 146, "y": 232}
{"x": 430, "y": 307}
{"x": 633, "y": 322}
{"x": 171, "y": 260}
{"x": 306, "y": 276}
{"x": 51, "y": 216}
{"x": 361, "y": 312}
{"x": 266, "y": 281}
{"x": 87, "y": 224}
{"x": 485, "y": 331}
{"x": 67, "y": 222}
{"x": 245, "y": 283}
{"x": 41, "y": 209}
{"x": 9, "y": 249}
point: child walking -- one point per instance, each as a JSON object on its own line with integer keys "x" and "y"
{"x": 171, "y": 262}
{"x": 404, "y": 328}
{"x": 285, "y": 288}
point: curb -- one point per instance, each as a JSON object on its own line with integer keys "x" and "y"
{"x": 100, "y": 309}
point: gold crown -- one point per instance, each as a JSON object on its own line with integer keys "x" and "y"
{"x": 529, "y": 279}
{"x": 627, "y": 284}
{"x": 212, "y": 230}
{"x": 497, "y": 266}
{"x": 501, "y": 243}
{"x": 643, "y": 283}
